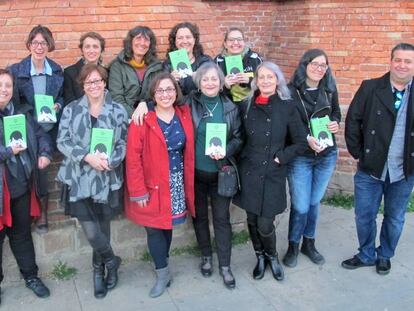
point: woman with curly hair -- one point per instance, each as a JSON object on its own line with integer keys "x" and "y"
{"x": 186, "y": 36}
{"x": 131, "y": 72}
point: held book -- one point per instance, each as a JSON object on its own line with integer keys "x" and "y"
{"x": 45, "y": 110}
{"x": 102, "y": 142}
{"x": 320, "y": 131}
{"x": 216, "y": 134}
{"x": 15, "y": 131}
{"x": 234, "y": 64}
{"x": 180, "y": 62}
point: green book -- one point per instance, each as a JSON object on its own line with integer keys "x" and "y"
{"x": 45, "y": 110}
{"x": 216, "y": 134}
{"x": 102, "y": 142}
{"x": 320, "y": 131}
{"x": 15, "y": 131}
{"x": 180, "y": 62}
{"x": 234, "y": 64}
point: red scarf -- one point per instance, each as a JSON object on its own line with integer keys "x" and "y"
{"x": 261, "y": 100}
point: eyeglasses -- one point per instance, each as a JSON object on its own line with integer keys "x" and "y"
{"x": 35, "y": 44}
{"x": 316, "y": 65}
{"x": 168, "y": 91}
{"x": 92, "y": 83}
{"x": 398, "y": 99}
{"x": 232, "y": 40}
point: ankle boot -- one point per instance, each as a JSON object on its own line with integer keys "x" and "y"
{"x": 260, "y": 268}
{"x": 42, "y": 225}
{"x": 163, "y": 281}
{"x": 308, "y": 249}
{"x": 269, "y": 243}
{"x": 291, "y": 257}
{"x": 99, "y": 285}
{"x": 206, "y": 266}
{"x": 228, "y": 278}
{"x": 112, "y": 264}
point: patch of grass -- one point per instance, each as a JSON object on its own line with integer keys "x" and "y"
{"x": 61, "y": 271}
{"x": 346, "y": 201}
{"x": 238, "y": 238}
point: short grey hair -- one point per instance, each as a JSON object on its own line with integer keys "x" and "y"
{"x": 202, "y": 70}
{"x": 281, "y": 88}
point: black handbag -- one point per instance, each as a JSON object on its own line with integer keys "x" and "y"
{"x": 228, "y": 180}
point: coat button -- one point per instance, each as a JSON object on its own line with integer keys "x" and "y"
{"x": 412, "y": 134}
{"x": 367, "y": 150}
{"x": 264, "y": 162}
{"x": 266, "y": 147}
{"x": 373, "y": 132}
{"x": 261, "y": 177}
{"x": 248, "y": 173}
{"x": 156, "y": 187}
{"x": 268, "y": 120}
{"x": 378, "y": 112}
{"x": 251, "y": 132}
{"x": 267, "y": 133}
{"x": 412, "y": 154}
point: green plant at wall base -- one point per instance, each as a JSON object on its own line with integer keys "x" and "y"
{"x": 238, "y": 238}
{"x": 346, "y": 201}
{"x": 61, "y": 271}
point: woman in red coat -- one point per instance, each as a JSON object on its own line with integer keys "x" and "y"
{"x": 160, "y": 172}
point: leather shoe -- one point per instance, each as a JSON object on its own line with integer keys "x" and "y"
{"x": 383, "y": 266}
{"x": 355, "y": 263}
{"x": 228, "y": 278}
{"x": 206, "y": 266}
{"x": 37, "y": 286}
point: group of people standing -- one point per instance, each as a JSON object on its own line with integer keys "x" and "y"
{"x": 167, "y": 177}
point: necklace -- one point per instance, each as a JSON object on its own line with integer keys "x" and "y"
{"x": 210, "y": 112}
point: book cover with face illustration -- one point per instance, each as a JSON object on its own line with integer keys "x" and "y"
{"x": 216, "y": 134}
{"x": 180, "y": 62}
{"x": 15, "y": 131}
{"x": 102, "y": 142}
{"x": 45, "y": 110}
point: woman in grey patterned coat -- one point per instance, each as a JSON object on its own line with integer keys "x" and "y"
{"x": 93, "y": 180}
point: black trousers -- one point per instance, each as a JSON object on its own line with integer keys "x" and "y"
{"x": 206, "y": 187}
{"x": 263, "y": 225}
{"x": 20, "y": 237}
{"x": 159, "y": 242}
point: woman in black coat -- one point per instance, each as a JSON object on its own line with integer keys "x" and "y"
{"x": 92, "y": 45}
{"x": 273, "y": 136}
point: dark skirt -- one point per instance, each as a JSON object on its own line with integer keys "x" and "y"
{"x": 88, "y": 210}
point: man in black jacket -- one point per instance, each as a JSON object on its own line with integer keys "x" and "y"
{"x": 379, "y": 132}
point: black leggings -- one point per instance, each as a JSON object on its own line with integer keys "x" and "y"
{"x": 98, "y": 234}
{"x": 159, "y": 242}
{"x": 263, "y": 225}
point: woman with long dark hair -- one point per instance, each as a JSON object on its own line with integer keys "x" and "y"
{"x": 315, "y": 95}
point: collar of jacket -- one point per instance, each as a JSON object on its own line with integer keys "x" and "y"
{"x": 24, "y": 66}
{"x": 155, "y": 66}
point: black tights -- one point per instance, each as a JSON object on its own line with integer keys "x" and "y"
{"x": 159, "y": 242}
{"x": 98, "y": 234}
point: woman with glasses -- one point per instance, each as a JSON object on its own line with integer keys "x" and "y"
{"x": 39, "y": 75}
{"x": 94, "y": 180}
{"x": 315, "y": 95}
{"x": 209, "y": 105}
{"x": 160, "y": 173}
{"x": 186, "y": 36}
{"x": 131, "y": 72}
{"x": 92, "y": 45}
{"x": 237, "y": 86}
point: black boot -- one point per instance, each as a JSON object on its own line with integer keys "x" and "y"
{"x": 269, "y": 243}
{"x": 260, "y": 268}
{"x": 291, "y": 257}
{"x": 308, "y": 249}
{"x": 112, "y": 264}
{"x": 99, "y": 285}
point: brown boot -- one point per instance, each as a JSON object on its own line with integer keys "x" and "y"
{"x": 42, "y": 225}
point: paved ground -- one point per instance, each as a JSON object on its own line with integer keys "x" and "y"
{"x": 306, "y": 287}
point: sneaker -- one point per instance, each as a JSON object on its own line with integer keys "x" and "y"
{"x": 355, "y": 263}
{"x": 37, "y": 286}
{"x": 383, "y": 266}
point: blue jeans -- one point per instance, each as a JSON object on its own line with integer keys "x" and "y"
{"x": 368, "y": 195}
{"x": 308, "y": 178}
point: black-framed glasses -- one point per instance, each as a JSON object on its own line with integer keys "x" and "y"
{"x": 168, "y": 91}
{"x": 321, "y": 66}
{"x": 35, "y": 44}
{"x": 93, "y": 83}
